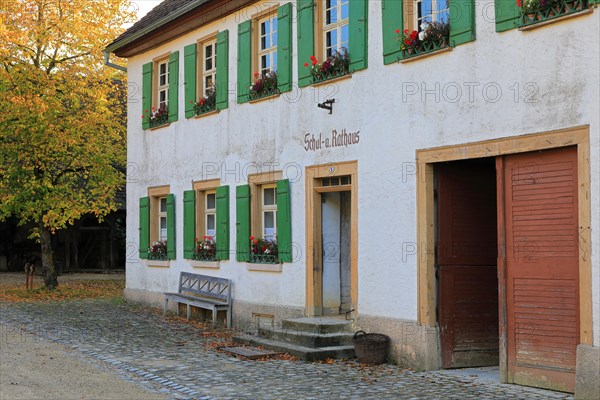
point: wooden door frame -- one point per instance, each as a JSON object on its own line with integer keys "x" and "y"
{"x": 426, "y": 158}
{"x": 314, "y": 245}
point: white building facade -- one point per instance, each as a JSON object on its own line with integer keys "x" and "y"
{"x": 452, "y": 189}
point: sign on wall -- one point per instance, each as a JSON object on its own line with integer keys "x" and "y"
{"x": 335, "y": 139}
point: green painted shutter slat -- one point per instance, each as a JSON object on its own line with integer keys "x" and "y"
{"x": 593, "y": 1}
{"x": 171, "y": 255}
{"x": 507, "y": 15}
{"x": 392, "y": 12}
{"x": 462, "y": 22}
{"x": 242, "y": 215}
{"x": 223, "y": 223}
{"x": 244, "y": 68}
{"x": 173, "y": 85}
{"x": 284, "y": 48}
{"x": 222, "y": 84}
{"x": 357, "y": 40}
{"x": 144, "y": 227}
{"x": 306, "y": 39}
{"x": 189, "y": 223}
{"x": 189, "y": 78}
{"x": 146, "y": 94}
{"x": 284, "y": 221}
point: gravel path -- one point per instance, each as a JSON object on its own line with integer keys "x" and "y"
{"x": 171, "y": 355}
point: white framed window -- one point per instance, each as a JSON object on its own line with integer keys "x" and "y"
{"x": 210, "y": 213}
{"x": 162, "y": 87}
{"x": 209, "y": 65}
{"x": 335, "y": 26}
{"x": 427, "y": 11}
{"x": 267, "y": 44}
{"x": 162, "y": 218}
{"x": 269, "y": 211}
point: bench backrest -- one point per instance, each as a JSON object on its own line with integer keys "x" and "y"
{"x": 206, "y": 286}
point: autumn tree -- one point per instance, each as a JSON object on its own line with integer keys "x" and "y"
{"x": 62, "y": 131}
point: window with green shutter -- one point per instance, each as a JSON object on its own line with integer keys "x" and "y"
{"x": 189, "y": 78}
{"x": 189, "y": 224}
{"x": 339, "y": 34}
{"x": 264, "y": 224}
{"x": 222, "y": 78}
{"x": 160, "y": 91}
{"x": 244, "y": 66}
{"x": 222, "y": 244}
{"x": 425, "y": 27}
{"x": 284, "y": 48}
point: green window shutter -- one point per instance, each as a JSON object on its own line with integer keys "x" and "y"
{"x": 223, "y": 223}
{"x": 189, "y": 77}
{"x": 306, "y": 39}
{"x": 284, "y": 221}
{"x": 462, "y": 22}
{"x": 392, "y": 14}
{"x": 189, "y": 223}
{"x": 171, "y": 255}
{"x": 357, "y": 40}
{"x": 144, "y": 227}
{"x": 146, "y": 94}
{"x": 284, "y": 48}
{"x": 242, "y": 215}
{"x": 507, "y": 15}
{"x": 222, "y": 70}
{"x": 173, "y": 85}
{"x": 593, "y": 1}
{"x": 244, "y": 68}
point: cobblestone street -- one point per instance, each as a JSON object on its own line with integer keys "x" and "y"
{"x": 170, "y": 357}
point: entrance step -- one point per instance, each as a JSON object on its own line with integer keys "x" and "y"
{"x": 317, "y": 325}
{"x": 310, "y": 339}
{"x": 302, "y": 352}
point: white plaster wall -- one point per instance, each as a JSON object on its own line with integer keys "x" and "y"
{"x": 561, "y": 60}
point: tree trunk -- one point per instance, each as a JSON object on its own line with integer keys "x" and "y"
{"x": 48, "y": 269}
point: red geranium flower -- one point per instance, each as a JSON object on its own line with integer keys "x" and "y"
{"x": 306, "y": 64}
{"x": 251, "y": 237}
{"x": 255, "y": 241}
{"x": 397, "y": 30}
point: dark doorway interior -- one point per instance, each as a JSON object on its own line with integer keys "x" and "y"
{"x": 466, "y": 262}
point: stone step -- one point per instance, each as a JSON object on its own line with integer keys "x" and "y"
{"x": 302, "y": 352}
{"x": 317, "y": 325}
{"x": 308, "y": 339}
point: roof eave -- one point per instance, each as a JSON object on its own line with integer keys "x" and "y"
{"x": 113, "y": 47}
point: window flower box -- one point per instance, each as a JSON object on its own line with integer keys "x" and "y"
{"x": 333, "y": 67}
{"x": 158, "y": 250}
{"x": 536, "y": 11}
{"x": 158, "y": 117}
{"x": 433, "y": 36}
{"x": 206, "y": 104}
{"x": 263, "y": 251}
{"x": 206, "y": 249}
{"x": 264, "y": 85}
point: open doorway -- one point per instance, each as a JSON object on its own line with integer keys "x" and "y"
{"x": 466, "y": 262}
{"x": 335, "y": 231}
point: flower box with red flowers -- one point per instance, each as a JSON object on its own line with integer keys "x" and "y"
{"x": 432, "y": 37}
{"x": 158, "y": 116}
{"x": 263, "y": 251}
{"x": 207, "y": 103}
{"x": 264, "y": 85}
{"x": 157, "y": 250}
{"x": 536, "y": 11}
{"x": 206, "y": 249}
{"x": 333, "y": 67}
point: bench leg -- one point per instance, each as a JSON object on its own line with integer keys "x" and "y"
{"x": 228, "y": 317}
{"x": 189, "y": 312}
{"x": 214, "y": 316}
{"x": 166, "y": 306}
{"x": 177, "y": 305}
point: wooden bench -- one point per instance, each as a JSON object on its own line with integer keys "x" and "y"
{"x": 202, "y": 291}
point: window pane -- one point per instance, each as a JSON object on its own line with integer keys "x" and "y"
{"x": 264, "y": 62}
{"x": 211, "y": 201}
{"x": 269, "y": 197}
{"x": 162, "y": 68}
{"x": 208, "y": 51}
{"x": 208, "y": 65}
{"x": 269, "y": 220}
{"x": 163, "y": 204}
{"x": 344, "y": 41}
{"x": 162, "y": 80}
{"x": 210, "y": 222}
{"x": 212, "y": 233}
{"x": 208, "y": 81}
{"x": 345, "y": 10}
